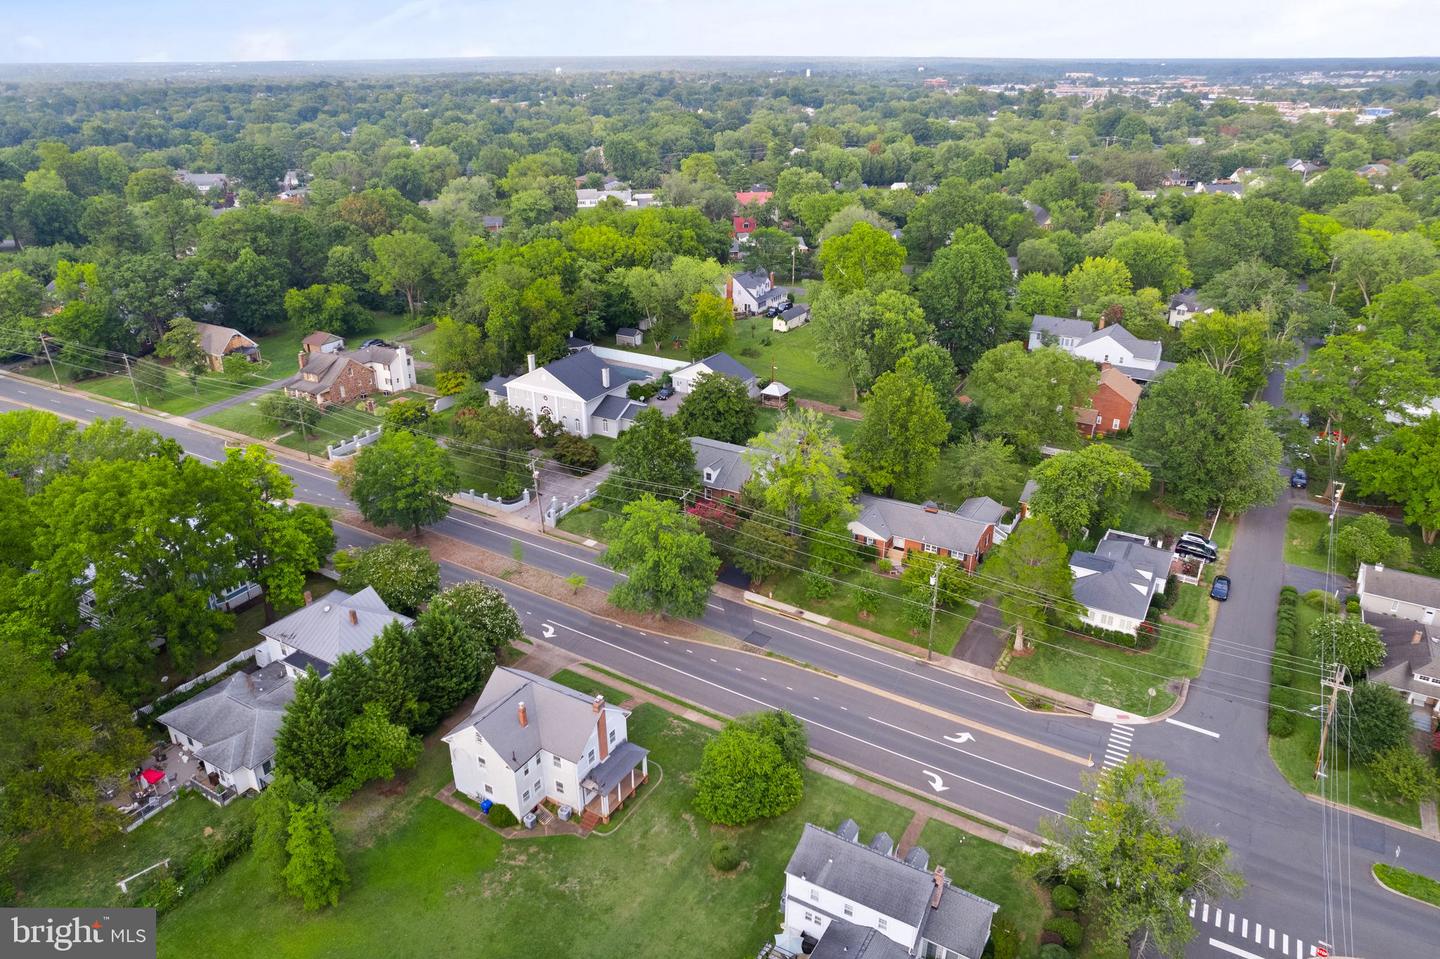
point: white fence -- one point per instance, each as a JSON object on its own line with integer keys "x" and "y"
{"x": 486, "y": 501}
{"x": 203, "y": 677}
{"x": 353, "y": 445}
{"x": 557, "y": 509}
{"x": 642, "y": 361}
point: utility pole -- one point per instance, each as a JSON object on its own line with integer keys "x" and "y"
{"x": 539, "y": 503}
{"x": 133, "y": 388}
{"x": 1336, "y": 685}
{"x": 792, "y": 264}
{"x": 934, "y": 598}
{"x": 45, "y": 345}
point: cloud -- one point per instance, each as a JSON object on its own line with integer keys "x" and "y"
{"x": 263, "y": 45}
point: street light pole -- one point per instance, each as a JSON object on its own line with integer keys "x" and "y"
{"x": 934, "y": 598}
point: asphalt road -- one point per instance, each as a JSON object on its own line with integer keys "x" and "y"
{"x": 930, "y": 730}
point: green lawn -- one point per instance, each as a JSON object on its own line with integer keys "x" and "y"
{"x": 992, "y": 871}
{"x": 1149, "y": 516}
{"x": 843, "y": 427}
{"x": 282, "y": 348}
{"x": 178, "y": 396}
{"x": 427, "y": 881}
{"x": 1192, "y": 604}
{"x": 339, "y": 423}
{"x": 585, "y": 521}
{"x": 1305, "y": 539}
{"x": 50, "y": 875}
{"x": 1110, "y": 674}
{"x": 1410, "y": 883}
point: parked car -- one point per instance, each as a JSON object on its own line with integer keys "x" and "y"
{"x": 665, "y": 392}
{"x": 1305, "y": 420}
{"x": 1299, "y": 479}
{"x": 376, "y": 341}
{"x": 774, "y": 311}
{"x": 1220, "y": 589}
{"x": 1193, "y": 544}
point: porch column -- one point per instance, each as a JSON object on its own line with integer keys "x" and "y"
{"x": 645, "y": 768}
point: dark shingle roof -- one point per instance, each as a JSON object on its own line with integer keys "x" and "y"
{"x": 892, "y": 517}
{"x": 581, "y": 373}
{"x": 1406, "y": 587}
{"x": 617, "y": 407}
{"x": 1122, "y": 578}
{"x": 1144, "y": 349}
{"x": 558, "y": 718}
{"x": 846, "y": 940}
{"x": 982, "y": 508}
{"x": 1060, "y": 326}
{"x": 727, "y": 365}
{"x": 726, "y": 462}
{"x": 325, "y": 629}
{"x": 234, "y": 722}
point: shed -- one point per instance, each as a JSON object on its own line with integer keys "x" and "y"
{"x": 629, "y": 336}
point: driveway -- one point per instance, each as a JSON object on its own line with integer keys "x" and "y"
{"x": 1305, "y": 579}
{"x": 983, "y": 640}
{"x": 558, "y": 488}
{"x": 247, "y": 397}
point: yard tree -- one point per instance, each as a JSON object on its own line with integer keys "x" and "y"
{"x": 652, "y": 457}
{"x": 799, "y": 471}
{"x": 1347, "y": 640}
{"x": 1401, "y": 772}
{"x": 1032, "y": 571}
{"x": 278, "y": 544}
{"x": 314, "y": 875}
{"x": 376, "y": 748}
{"x": 1086, "y": 488}
{"x": 404, "y": 575}
{"x": 783, "y": 729}
{"x": 1234, "y": 345}
{"x": 1404, "y": 467}
{"x": 897, "y": 328}
{"x": 1154, "y": 258}
{"x": 485, "y": 610}
{"x": 1095, "y": 284}
{"x": 1028, "y": 398}
{"x": 1041, "y": 294}
{"x": 331, "y": 307}
{"x": 404, "y": 480}
{"x": 1370, "y": 720}
{"x": 395, "y": 665}
{"x": 1123, "y": 837}
{"x": 459, "y": 348}
{"x": 897, "y": 447}
{"x": 843, "y": 336}
{"x": 454, "y": 661}
{"x": 1350, "y": 384}
{"x": 181, "y": 346}
{"x": 865, "y": 258}
{"x": 257, "y": 165}
{"x": 290, "y": 413}
{"x": 1368, "y": 539}
{"x": 1206, "y": 448}
{"x": 720, "y": 408}
{"x": 504, "y": 432}
{"x": 963, "y": 294}
{"x": 982, "y": 467}
{"x": 668, "y": 564}
{"x": 309, "y": 744}
{"x": 273, "y": 809}
{"x": 1039, "y": 255}
{"x": 743, "y": 776}
{"x": 406, "y": 414}
{"x": 407, "y": 263}
{"x": 712, "y": 322}
{"x": 65, "y": 736}
{"x": 763, "y": 547}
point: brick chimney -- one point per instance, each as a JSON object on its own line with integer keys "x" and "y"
{"x": 730, "y": 288}
{"x": 1100, "y": 323}
{"x": 605, "y": 377}
{"x": 303, "y": 357}
{"x": 308, "y": 598}
{"x": 601, "y": 732}
{"x": 772, "y": 277}
{"x": 354, "y": 618}
{"x": 939, "y": 887}
{"x": 530, "y": 362}
{"x": 520, "y": 714}
{"x": 598, "y": 705}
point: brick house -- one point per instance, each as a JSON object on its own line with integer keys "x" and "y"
{"x": 1111, "y": 406}
{"x": 327, "y": 379}
{"x": 219, "y": 342}
{"x": 894, "y": 529}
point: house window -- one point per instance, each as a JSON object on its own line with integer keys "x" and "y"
{"x": 1115, "y": 424}
{"x": 1394, "y": 606}
{"x": 557, "y": 762}
{"x": 849, "y": 910}
{"x": 559, "y": 788}
{"x": 882, "y": 922}
{"x": 480, "y": 760}
{"x": 709, "y": 476}
{"x": 592, "y": 755}
{"x": 489, "y": 791}
{"x": 612, "y": 737}
{"x": 537, "y": 785}
{"x": 526, "y": 795}
{"x": 266, "y": 766}
{"x": 931, "y": 549}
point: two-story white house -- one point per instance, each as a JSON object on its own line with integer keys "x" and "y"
{"x": 845, "y": 899}
{"x": 529, "y": 739}
{"x": 1112, "y": 344}
{"x": 1403, "y": 607}
{"x": 753, "y": 292}
{"x": 392, "y": 366}
{"x": 231, "y": 728}
{"x": 583, "y": 392}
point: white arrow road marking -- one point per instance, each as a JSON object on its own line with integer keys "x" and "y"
{"x": 961, "y": 738}
{"x": 547, "y": 630}
{"x": 936, "y": 783}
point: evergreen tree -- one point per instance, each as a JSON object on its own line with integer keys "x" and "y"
{"x": 309, "y": 744}
{"x": 314, "y": 874}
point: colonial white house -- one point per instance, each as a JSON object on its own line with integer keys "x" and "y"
{"x": 231, "y": 727}
{"x": 1403, "y": 607}
{"x": 393, "y": 367}
{"x": 753, "y": 292}
{"x": 684, "y": 379}
{"x": 1113, "y": 344}
{"x": 316, "y": 634}
{"x": 1393, "y": 592}
{"x": 1185, "y": 306}
{"x": 845, "y": 899}
{"x": 1116, "y": 583}
{"x": 585, "y": 393}
{"x": 529, "y": 739}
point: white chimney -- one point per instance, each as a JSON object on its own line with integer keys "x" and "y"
{"x": 530, "y": 361}
{"x": 605, "y": 376}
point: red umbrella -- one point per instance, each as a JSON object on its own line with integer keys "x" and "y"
{"x": 152, "y": 776}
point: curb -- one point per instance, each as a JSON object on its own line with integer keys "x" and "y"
{"x": 1373, "y": 817}
{"x": 1397, "y": 892}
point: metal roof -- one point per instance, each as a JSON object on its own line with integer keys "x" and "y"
{"x": 336, "y": 623}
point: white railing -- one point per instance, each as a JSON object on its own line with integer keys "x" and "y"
{"x": 557, "y": 509}
{"x": 203, "y": 677}
{"x": 353, "y": 445}
{"x": 486, "y": 501}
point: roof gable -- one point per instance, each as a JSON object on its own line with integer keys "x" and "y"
{"x": 335, "y": 624}
{"x": 559, "y": 720}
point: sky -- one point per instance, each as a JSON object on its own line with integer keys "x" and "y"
{"x": 88, "y": 31}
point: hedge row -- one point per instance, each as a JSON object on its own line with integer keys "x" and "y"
{"x": 1282, "y": 674}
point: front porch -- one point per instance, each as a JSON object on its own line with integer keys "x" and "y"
{"x": 612, "y": 782}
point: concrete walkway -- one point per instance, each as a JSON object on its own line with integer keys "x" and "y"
{"x": 247, "y": 397}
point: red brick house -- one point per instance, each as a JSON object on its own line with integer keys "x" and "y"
{"x": 1112, "y": 406}
{"x": 894, "y": 529}
{"x": 327, "y": 379}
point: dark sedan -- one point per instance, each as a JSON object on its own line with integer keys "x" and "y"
{"x": 1220, "y": 589}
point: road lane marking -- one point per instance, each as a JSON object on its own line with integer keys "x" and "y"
{"x": 1194, "y": 729}
{"x": 819, "y": 725}
{"x": 972, "y": 755}
{"x": 527, "y": 543}
{"x": 1233, "y": 950}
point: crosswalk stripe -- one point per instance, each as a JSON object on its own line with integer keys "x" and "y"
{"x": 1232, "y": 922}
{"x": 1217, "y": 918}
{"x": 1244, "y": 928}
{"x": 1117, "y": 755}
{"x": 1272, "y": 938}
{"x": 1285, "y": 939}
{"x": 1205, "y": 913}
{"x": 1192, "y": 908}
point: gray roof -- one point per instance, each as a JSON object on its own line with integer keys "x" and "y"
{"x": 1397, "y": 584}
{"x": 726, "y": 461}
{"x": 215, "y": 340}
{"x": 845, "y": 940}
{"x": 881, "y": 842}
{"x": 755, "y": 282}
{"x": 202, "y": 180}
{"x": 1188, "y": 298}
{"x": 558, "y": 718}
{"x": 627, "y": 331}
{"x": 1232, "y": 188}
{"x": 324, "y": 629}
{"x": 727, "y": 365}
{"x": 797, "y": 311}
{"x": 235, "y": 720}
{"x": 918, "y": 857}
{"x": 1028, "y": 490}
{"x": 496, "y": 383}
{"x": 1122, "y": 576}
{"x": 1143, "y": 374}
{"x": 617, "y": 406}
{"x": 377, "y": 354}
{"x": 983, "y": 508}
{"x": 1060, "y": 326}
{"x": 893, "y": 888}
{"x": 849, "y": 830}
{"x": 325, "y": 367}
{"x": 610, "y": 773}
{"x": 1145, "y": 349}
{"x": 1041, "y": 215}
{"x": 490, "y": 221}
{"x": 581, "y": 373}
{"x": 892, "y": 517}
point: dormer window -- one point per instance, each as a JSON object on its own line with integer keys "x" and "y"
{"x": 709, "y": 475}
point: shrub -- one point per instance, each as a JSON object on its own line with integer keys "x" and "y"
{"x": 725, "y": 855}
{"x": 162, "y": 895}
{"x": 1069, "y": 930}
{"x": 1321, "y": 600}
{"x": 501, "y": 817}
{"x": 743, "y": 776}
{"x": 1065, "y": 897}
{"x": 577, "y": 453}
{"x": 641, "y": 392}
{"x": 1054, "y": 951}
{"x": 818, "y": 586}
{"x": 1281, "y": 724}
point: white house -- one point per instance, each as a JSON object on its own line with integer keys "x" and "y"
{"x": 753, "y": 292}
{"x": 316, "y": 634}
{"x": 1403, "y": 607}
{"x": 393, "y": 367}
{"x": 1185, "y": 306}
{"x": 1113, "y": 344}
{"x": 1408, "y": 596}
{"x": 584, "y": 392}
{"x": 231, "y": 727}
{"x": 685, "y": 378}
{"x": 529, "y": 739}
{"x": 1116, "y": 583}
{"x": 844, "y": 899}
{"x": 791, "y": 319}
